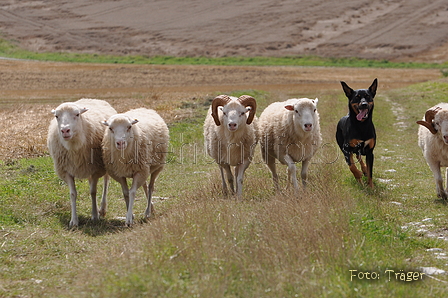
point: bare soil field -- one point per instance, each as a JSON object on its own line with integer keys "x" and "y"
{"x": 380, "y": 29}
{"x": 375, "y": 29}
{"x": 29, "y": 90}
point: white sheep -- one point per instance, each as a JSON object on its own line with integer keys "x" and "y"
{"x": 135, "y": 146}
{"x": 233, "y": 142}
{"x": 433, "y": 140}
{"x": 74, "y": 142}
{"x": 290, "y": 132}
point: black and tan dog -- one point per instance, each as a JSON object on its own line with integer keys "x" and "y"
{"x": 355, "y": 133}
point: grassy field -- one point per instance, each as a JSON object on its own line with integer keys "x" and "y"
{"x": 10, "y": 50}
{"x": 200, "y": 244}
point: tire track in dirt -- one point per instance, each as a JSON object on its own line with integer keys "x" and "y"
{"x": 374, "y": 29}
{"x": 412, "y": 17}
{"x": 41, "y": 25}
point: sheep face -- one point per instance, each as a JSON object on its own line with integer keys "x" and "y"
{"x": 120, "y": 127}
{"x": 234, "y": 115}
{"x": 304, "y": 113}
{"x": 68, "y": 116}
{"x": 441, "y": 124}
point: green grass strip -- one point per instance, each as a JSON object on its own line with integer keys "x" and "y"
{"x": 10, "y": 50}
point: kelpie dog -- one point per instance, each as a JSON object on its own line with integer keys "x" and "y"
{"x": 355, "y": 133}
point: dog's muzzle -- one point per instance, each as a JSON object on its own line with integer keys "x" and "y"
{"x": 363, "y": 110}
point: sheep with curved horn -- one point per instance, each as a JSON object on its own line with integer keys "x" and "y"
{"x": 433, "y": 140}
{"x": 230, "y": 137}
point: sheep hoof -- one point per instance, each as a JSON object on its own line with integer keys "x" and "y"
{"x": 73, "y": 224}
{"x": 95, "y": 217}
{"x": 102, "y": 213}
{"x": 129, "y": 220}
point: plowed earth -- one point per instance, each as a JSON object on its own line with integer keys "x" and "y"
{"x": 29, "y": 90}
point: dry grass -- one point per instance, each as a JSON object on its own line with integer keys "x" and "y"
{"x": 200, "y": 244}
{"x": 214, "y": 247}
{"x": 24, "y": 131}
{"x": 25, "y": 126}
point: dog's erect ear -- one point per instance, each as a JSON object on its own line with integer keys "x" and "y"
{"x": 348, "y": 91}
{"x": 373, "y": 87}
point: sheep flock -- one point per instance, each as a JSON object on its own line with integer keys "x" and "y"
{"x": 88, "y": 139}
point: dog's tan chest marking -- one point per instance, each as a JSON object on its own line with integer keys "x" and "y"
{"x": 356, "y": 142}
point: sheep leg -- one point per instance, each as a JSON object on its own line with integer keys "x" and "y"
{"x": 137, "y": 182}
{"x": 147, "y": 194}
{"x": 292, "y": 171}
{"x": 230, "y": 178}
{"x": 125, "y": 190}
{"x": 435, "y": 168}
{"x": 224, "y": 185}
{"x": 446, "y": 176}
{"x": 103, "y": 207}
{"x": 304, "y": 171}
{"x": 150, "y": 190}
{"x": 271, "y": 165}
{"x": 70, "y": 180}
{"x": 226, "y": 167}
{"x": 239, "y": 174}
{"x": 93, "y": 183}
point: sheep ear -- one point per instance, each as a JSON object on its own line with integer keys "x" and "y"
{"x": 105, "y": 123}
{"x": 289, "y": 107}
{"x": 83, "y": 110}
{"x": 134, "y": 121}
{"x": 53, "y": 112}
{"x": 316, "y": 100}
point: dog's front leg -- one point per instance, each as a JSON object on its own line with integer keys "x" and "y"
{"x": 357, "y": 173}
{"x": 363, "y": 165}
{"x": 369, "y": 161}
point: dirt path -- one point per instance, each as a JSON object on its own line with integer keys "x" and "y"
{"x": 31, "y": 89}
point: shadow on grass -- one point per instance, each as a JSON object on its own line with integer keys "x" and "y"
{"x": 95, "y": 227}
{"x": 441, "y": 201}
{"x": 380, "y": 190}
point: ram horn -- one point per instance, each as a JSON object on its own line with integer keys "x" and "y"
{"x": 220, "y": 100}
{"x": 429, "y": 117}
{"x": 249, "y": 101}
